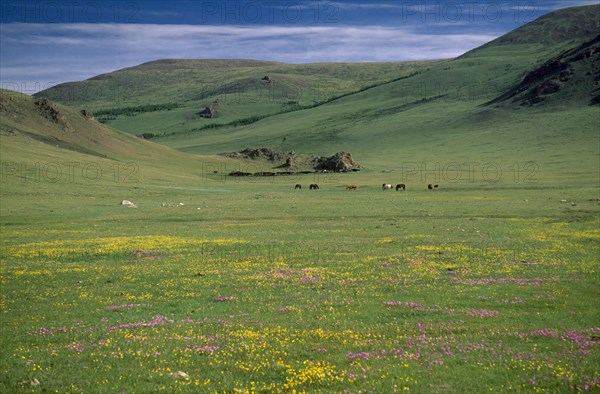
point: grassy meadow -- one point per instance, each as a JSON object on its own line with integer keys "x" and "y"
{"x": 217, "y": 284}
{"x": 247, "y": 285}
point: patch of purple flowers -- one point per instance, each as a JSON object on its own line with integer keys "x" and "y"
{"x": 156, "y": 321}
{"x": 363, "y": 355}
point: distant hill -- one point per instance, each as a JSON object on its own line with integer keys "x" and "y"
{"x": 555, "y": 28}
{"x": 170, "y": 95}
{"x": 498, "y": 103}
{"x": 470, "y": 108}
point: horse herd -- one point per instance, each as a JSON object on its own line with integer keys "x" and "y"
{"x": 385, "y": 186}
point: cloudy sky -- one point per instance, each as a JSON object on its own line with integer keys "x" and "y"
{"x": 43, "y": 43}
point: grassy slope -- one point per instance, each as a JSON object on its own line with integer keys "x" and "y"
{"x": 39, "y": 154}
{"x": 441, "y": 116}
{"x": 236, "y": 84}
{"x": 391, "y": 124}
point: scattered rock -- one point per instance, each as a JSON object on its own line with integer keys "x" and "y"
{"x": 180, "y": 375}
{"x": 549, "y": 87}
{"x": 87, "y": 114}
{"x": 128, "y": 203}
{"x": 208, "y": 112}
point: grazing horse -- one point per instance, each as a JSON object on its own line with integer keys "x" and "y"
{"x": 386, "y": 186}
{"x": 430, "y": 186}
{"x": 400, "y": 186}
{"x": 314, "y": 186}
{"x": 351, "y": 187}
{"x": 435, "y": 186}
{"x": 298, "y": 186}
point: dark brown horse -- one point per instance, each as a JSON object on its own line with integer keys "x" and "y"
{"x": 351, "y": 187}
{"x": 314, "y": 186}
{"x": 400, "y": 186}
{"x": 298, "y": 186}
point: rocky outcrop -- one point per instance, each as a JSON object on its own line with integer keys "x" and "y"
{"x": 260, "y": 153}
{"x": 87, "y": 114}
{"x": 567, "y": 78}
{"x": 50, "y": 112}
{"x": 340, "y": 162}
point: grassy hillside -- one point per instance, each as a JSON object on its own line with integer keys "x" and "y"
{"x": 555, "y": 27}
{"x": 46, "y": 146}
{"x": 165, "y": 96}
{"x": 453, "y": 112}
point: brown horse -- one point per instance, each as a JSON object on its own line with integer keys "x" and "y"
{"x": 314, "y": 186}
{"x": 430, "y": 186}
{"x": 351, "y": 187}
{"x": 400, "y": 186}
{"x": 298, "y": 186}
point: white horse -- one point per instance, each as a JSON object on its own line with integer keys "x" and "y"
{"x": 386, "y": 186}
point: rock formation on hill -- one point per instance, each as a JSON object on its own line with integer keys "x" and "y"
{"x": 340, "y": 162}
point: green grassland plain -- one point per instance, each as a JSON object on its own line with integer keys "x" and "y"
{"x": 221, "y": 284}
{"x": 215, "y": 283}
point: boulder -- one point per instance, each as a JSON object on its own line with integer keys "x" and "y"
{"x": 208, "y": 112}
{"x": 128, "y": 203}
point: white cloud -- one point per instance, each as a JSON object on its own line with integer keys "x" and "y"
{"x": 65, "y": 52}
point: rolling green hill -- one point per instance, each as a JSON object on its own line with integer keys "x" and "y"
{"x": 555, "y": 28}
{"x": 48, "y": 146}
{"x": 457, "y": 111}
{"x": 166, "y": 96}
{"x": 526, "y": 97}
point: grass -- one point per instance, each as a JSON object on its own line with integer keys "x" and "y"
{"x": 236, "y": 85}
{"x": 253, "y": 286}
{"x": 222, "y": 284}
